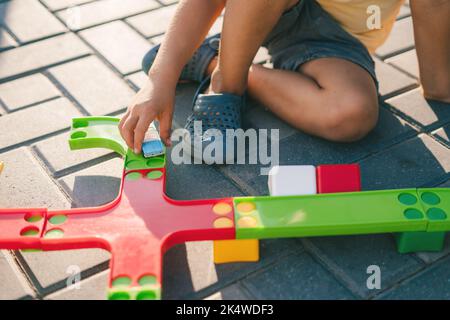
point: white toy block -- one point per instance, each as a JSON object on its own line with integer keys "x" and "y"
{"x": 292, "y": 180}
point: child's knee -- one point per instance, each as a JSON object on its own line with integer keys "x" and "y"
{"x": 351, "y": 118}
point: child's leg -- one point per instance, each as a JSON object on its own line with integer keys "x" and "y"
{"x": 331, "y": 98}
{"x": 246, "y": 25}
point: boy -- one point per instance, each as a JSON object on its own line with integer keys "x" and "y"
{"x": 323, "y": 81}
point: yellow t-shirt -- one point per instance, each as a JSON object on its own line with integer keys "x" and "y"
{"x": 361, "y": 17}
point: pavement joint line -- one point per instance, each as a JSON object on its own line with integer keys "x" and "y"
{"x": 400, "y": 91}
{"x": 332, "y": 268}
{"x": 32, "y": 141}
{"x": 103, "y": 22}
{"x": 42, "y": 69}
{"x": 405, "y": 72}
{"x": 34, "y": 104}
{"x": 66, "y": 93}
{"x": 21, "y": 275}
{"x": 49, "y": 175}
{"x": 62, "y": 9}
{"x": 136, "y": 30}
{"x": 394, "y": 53}
{"x": 27, "y": 273}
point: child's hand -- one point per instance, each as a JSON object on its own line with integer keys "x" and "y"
{"x": 150, "y": 103}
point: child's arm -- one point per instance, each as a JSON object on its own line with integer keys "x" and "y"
{"x": 432, "y": 34}
{"x": 188, "y": 28}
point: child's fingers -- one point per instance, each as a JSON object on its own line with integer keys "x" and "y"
{"x": 128, "y": 130}
{"x": 139, "y": 132}
{"x": 123, "y": 119}
{"x": 165, "y": 125}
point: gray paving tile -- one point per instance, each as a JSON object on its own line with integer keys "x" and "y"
{"x": 405, "y": 11}
{"x": 425, "y": 113}
{"x": 39, "y": 21}
{"x": 51, "y": 270}
{"x": 296, "y": 277}
{"x": 304, "y": 149}
{"x": 406, "y": 61}
{"x": 189, "y": 271}
{"x": 432, "y": 283}
{"x": 62, "y": 4}
{"x": 413, "y": 163}
{"x": 6, "y": 40}
{"x": 93, "y": 288}
{"x": 153, "y": 23}
{"x": 41, "y": 54}
{"x": 94, "y": 86}
{"x": 96, "y": 185}
{"x": 391, "y": 80}
{"x": 101, "y": 11}
{"x": 123, "y": 47}
{"x": 400, "y": 39}
{"x": 352, "y": 255}
{"x": 26, "y": 91}
{"x": 137, "y": 79}
{"x": 14, "y": 285}
{"x": 37, "y": 121}
{"x": 26, "y": 185}
{"x": 58, "y": 157}
{"x": 233, "y": 292}
{"x": 194, "y": 181}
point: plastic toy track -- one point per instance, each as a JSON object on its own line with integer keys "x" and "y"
{"x": 142, "y": 222}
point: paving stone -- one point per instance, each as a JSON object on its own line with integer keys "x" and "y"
{"x": 195, "y": 181}
{"x": 431, "y": 284}
{"x": 443, "y": 134}
{"x": 189, "y": 271}
{"x": 6, "y": 41}
{"x": 51, "y": 269}
{"x": 24, "y": 184}
{"x": 167, "y": 2}
{"x": 96, "y": 185}
{"x": 430, "y": 257}
{"x": 414, "y": 163}
{"x": 425, "y": 113}
{"x": 138, "y": 79}
{"x": 41, "y": 54}
{"x": 352, "y": 255}
{"x": 303, "y": 149}
{"x": 123, "y": 47}
{"x": 62, "y": 4}
{"x": 233, "y": 292}
{"x": 26, "y": 91}
{"x": 93, "y": 288}
{"x": 296, "y": 277}
{"x": 39, "y": 23}
{"x": 38, "y": 121}
{"x": 95, "y": 87}
{"x": 58, "y": 157}
{"x": 153, "y": 23}
{"x": 391, "y": 80}
{"x": 400, "y": 39}
{"x": 14, "y": 285}
{"x": 406, "y": 61}
{"x": 217, "y": 26}
{"x": 405, "y": 11}
{"x": 98, "y": 12}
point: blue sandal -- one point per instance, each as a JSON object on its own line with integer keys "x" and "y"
{"x": 195, "y": 69}
{"x": 219, "y": 111}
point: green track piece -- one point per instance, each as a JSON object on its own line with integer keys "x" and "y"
{"x": 327, "y": 214}
{"x": 146, "y": 292}
{"x": 97, "y": 132}
{"x": 436, "y": 205}
{"x": 138, "y": 162}
{"x": 408, "y": 242}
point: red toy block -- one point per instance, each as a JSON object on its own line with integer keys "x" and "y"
{"x": 338, "y": 178}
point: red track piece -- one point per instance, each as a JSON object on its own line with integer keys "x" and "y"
{"x": 21, "y": 228}
{"x": 338, "y": 178}
{"x": 138, "y": 227}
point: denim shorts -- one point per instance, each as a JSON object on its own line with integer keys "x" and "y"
{"x": 307, "y": 32}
